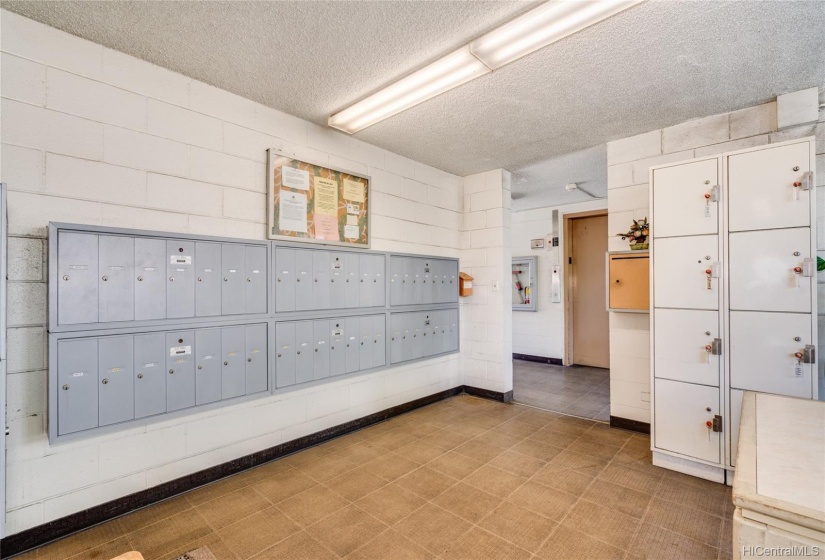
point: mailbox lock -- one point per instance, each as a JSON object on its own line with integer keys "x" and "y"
{"x": 226, "y": 363}
{"x": 297, "y": 279}
{"x": 180, "y": 249}
{"x": 362, "y": 343}
{"x": 249, "y": 359}
{"x": 279, "y": 355}
{"x": 171, "y": 278}
{"x": 200, "y": 279}
{"x": 180, "y": 341}
{"x": 797, "y": 339}
{"x": 796, "y": 253}
{"x": 200, "y": 366}
{"x": 66, "y": 387}
{"x": 279, "y": 279}
{"x": 331, "y": 348}
{"x": 332, "y": 279}
{"x": 707, "y": 333}
{"x": 171, "y": 371}
{"x": 140, "y": 376}
{"x": 65, "y": 277}
{"x": 299, "y": 351}
{"x": 225, "y": 279}
{"x": 140, "y": 278}
{"x": 316, "y": 349}
{"x": 708, "y": 409}
{"x": 249, "y": 279}
{"x": 105, "y": 278}
{"x": 105, "y": 381}
{"x": 796, "y": 168}
{"x": 347, "y": 344}
{"x": 316, "y": 279}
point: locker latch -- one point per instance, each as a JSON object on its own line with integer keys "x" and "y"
{"x": 808, "y": 267}
{"x": 716, "y": 347}
{"x": 809, "y": 354}
{"x": 714, "y": 193}
{"x": 717, "y": 423}
{"x": 807, "y": 181}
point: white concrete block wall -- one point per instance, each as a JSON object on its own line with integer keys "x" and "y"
{"x": 94, "y": 136}
{"x": 486, "y": 316}
{"x": 541, "y": 333}
{"x": 629, "y": 161}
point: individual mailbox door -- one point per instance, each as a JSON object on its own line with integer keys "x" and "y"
{"x": 685, "y": 272}
{"x": 320, "y": 279}
{"x": 681, "y": 412}
{"x": 414, "y": 277}
{"x": 366, "y": 283}
{"x": 684, "y": 345}
{"x": 763, "y": 353}
{"x": 407, "y": 326}
{"x": 396, "y": 338}
{"x": 255, "y": 294}
{"x": 351, "y": 284}
{"x": 337, "y": 280}
{"x": 150, "y": 372}
{"x": 686, "y": 199}
{"x": 284, "y": 279}
{"x": 303, "y": 280}
{"x": 379, "y": 282}
{"x": 320, "y": 351}
{"x": 77, "y": 288}
{"x": 233, "y": 366}
{"x": 284, "y": 354}
{"x": 150, "y": 284}
{"x": 77, "y": 385}
{"x": 453, "y": 330}
{"x": 180, "y": 367}
{"x": 379, "y": 343}
{"x": 417, "y": 330}
{"x": 352, "y": 333}
{"x": 207, "y": 365}
{"x": 365, "y": 344}
{"x": 439, "y": 278}
{"x": 180, "y": 288}
{"x": 397, "y": 281}
{"x": 234, "y": 279}
{"x": 452, "y": 280}
{"x": 257, "y": 379}
{"x": 406, "y": 280}
{"x": 304, "y": 343}
{"x": 116, "y": 267}
{"x": 208, "y": 281}
{"x": 337, "y": 347}
{"x": 429, "y": 341}
{"x": 116, "y": 394}
{"x": 765, "y": 188}
{"x": 439, "y": 333}
{"x": 772, "y": 270}
{"x": 427, "y": 285}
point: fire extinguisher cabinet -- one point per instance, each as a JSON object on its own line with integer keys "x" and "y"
{"x": 524, "y": 284}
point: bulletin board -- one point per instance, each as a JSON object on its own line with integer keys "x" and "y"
{"x": 310, "y": 202}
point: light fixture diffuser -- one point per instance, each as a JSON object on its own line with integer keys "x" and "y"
{"x": 444, "y": 74}
{"x": 542, "y": 26}
{"x": 537, "y": 28}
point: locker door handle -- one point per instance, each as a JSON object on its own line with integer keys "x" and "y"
{"x": 809, "y": 354}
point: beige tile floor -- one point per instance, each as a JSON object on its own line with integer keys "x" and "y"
{"x": 464, "y": 478}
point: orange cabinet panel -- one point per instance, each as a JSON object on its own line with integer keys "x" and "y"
{"x": 628, "y": 284}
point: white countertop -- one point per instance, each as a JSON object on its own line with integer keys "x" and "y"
{"x": 780, "y": 466}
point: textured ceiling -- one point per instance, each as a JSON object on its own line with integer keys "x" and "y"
{"x": 657, "y": 64}
{"x": 542, "y": 184}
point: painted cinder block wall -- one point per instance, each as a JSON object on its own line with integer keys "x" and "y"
{"x": 629, "y": 161}
{"x": 90, "y": 135}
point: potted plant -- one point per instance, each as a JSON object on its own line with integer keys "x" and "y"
{"x": 637, "y": 235}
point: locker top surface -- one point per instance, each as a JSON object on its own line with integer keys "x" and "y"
{"x": 55, "y": 227}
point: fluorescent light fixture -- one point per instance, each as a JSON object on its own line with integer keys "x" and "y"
{"x": 442, "y": 75}
{"x": 542, "y": 26}
{"x": 537, "y": 28}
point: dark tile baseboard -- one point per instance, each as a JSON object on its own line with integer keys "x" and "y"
{"x": 538, "y": 359}
{"x": 632, "y": 425}
{"x": 65, "y": 526}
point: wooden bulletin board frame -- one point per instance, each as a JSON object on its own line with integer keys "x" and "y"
{"x": 329, "y": 216}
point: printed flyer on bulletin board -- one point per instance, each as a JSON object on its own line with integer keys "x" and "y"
{"x": 316, "y": 203}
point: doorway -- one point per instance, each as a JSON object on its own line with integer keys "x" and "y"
{"x": 580, "y": 387}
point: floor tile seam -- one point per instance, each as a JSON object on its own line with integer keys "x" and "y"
{"x": 319, "y": 543}
{"x": 644, "y": 516}
{"x": 500, "y": 498}
{"x": 350, "y": 500}
{"x": 473, "y": 525}
{"x": 298, "y": 523}
{"x": 564, "y": 413}
{"x": 566, "y": 514}
{"x": 362, "y": 510}
{"x": 721, "y": 516}
{"x": 78, "y": 553}
{"x": 700, "y": 512}
{"x": 367, "y": 542}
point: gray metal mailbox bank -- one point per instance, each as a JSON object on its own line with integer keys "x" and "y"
{"x": 144, "y": 324}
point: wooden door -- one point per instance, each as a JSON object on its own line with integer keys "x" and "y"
{"x": 591, "y": 345}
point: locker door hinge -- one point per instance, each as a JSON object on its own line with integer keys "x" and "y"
{"x": 809, "y": 354}
{"x": 808, "y": 267}
{"x": 807, "y": 180}
{"x": 716, "y": 347}
{"x": 717, "y": 423}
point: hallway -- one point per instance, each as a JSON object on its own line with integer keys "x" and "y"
{"x": 576, "y": 390}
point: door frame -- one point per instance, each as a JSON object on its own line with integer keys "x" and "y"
{"x": 566, "y": 244}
